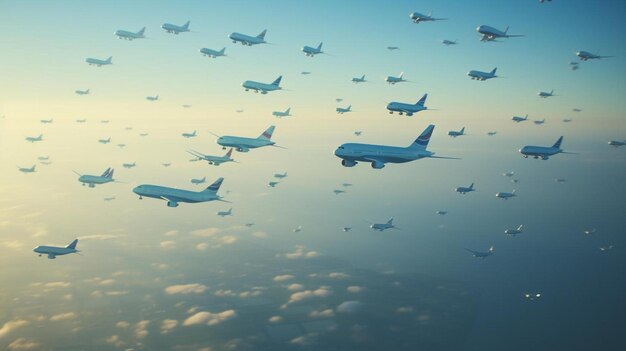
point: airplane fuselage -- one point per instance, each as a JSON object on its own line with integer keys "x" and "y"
{"x": 97, "y": 62}
{"x": 479, "y": 75}
{"x": 172, "y": 195}
{"x": 542, "y": 152}
{"x": 258, "y": 86}
{"x": 126, "y": 35}
{"x": 245, "y": 39}
{"x": 92, "y": 180}
{"x": 401, "y": 108}
{"x": 377, "y": 155}
{"x": 212, "y": 53}
{"x": 243, "y": 144}
{"x": 172, "y": 28}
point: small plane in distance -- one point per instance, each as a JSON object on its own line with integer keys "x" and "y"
{"x": 418, "y": 18}
{"x": 518, "y": 119}
{"x": 342, "y": 110}
{"x": 567, "y": 120}
{"x": 491, "y": 34}
{"x": 492, "y": 133}
{"x": 46, "y": 121}
{"x": 508, "y": 174}
{"x": 305, "y": 73}
{"x": 213, "y": 53}
{"x": 456, "y": 133}
{"x": 586, "y": 55}
{"x": 357, "y": 132}
{"x": 505, "y": 195}
{"x": 384, "y": 226}
{"x": 617, "y": 143}
{"x": 560, "y": 180}
{"x": 172, "y": 28}
{"x": 409, "y": 109}
{"x": 82, "y": 92}
{"x": 110, "y": 198}
{"x": 129, "y": 165}
{"x": 143, "y": 134}
{"x": 166, "y": 164}
{"x": 574, "y": 66}
{"x": 173, "y": 196}
{"x": 280, "y": 114}
{"x": 81, "y": 120}
{"x": 590, "y": 231}
{"x": 272, "y": 184}
{"x": 104, "y": 121}
{"x": 127, "y": 35}
{"x": 121, "y": 145}
{"x": 539, "y": 121}
{"x": 104, "y": 141}
{"x": 43, "y": 158}
{"x": 92, "y": 180}
{"x": 479, "y": 254}
{"x": 311, "y": 51}
{"x": 97, "y": 62}
{"x": 392, "y": 48}
{"x": 152, "y": 98}
{"x": 225, "y": 213}
{"x": 26, "y": 170}
{"x": 186, "y": 106}
{"x": 394, "y": 80}
{"x": 243, "y": 144}
{"x": 346, "y": 229}
{"x": 480, "y": 75}
{"x": 297, "y": 229}
{"x": 189, "y": 135}
{"x": 198, "y": 181}
{"x": 543, "y": 152}
{"x": 441, "y": 213}
{"x": 514, "y": 232}
{"x": 213, "y": 160}
{"x": 54, "y": 251}
{"x": 535, "y": 296}
{"x": 577, "y": 110}
{"x": 359, "y": 80}
{"x": 248, "y": 40}
{"x": 280, "y": 175}
{"x": 543, "y": 94}
{"x": 339, "y": 99}
{"x": 345, "y": 185}
{"x": 338, "y": 191}
{"x": 447, "y": 42}
{"x": 264, "y": 88}
{"x": 34, "y": 139}
{"x": 465, "y": 189}
{"x": 379, "y": 155}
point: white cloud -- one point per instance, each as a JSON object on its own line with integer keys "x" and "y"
{"x": 209, "y": 318}
{"x": 275, "y": 319}
{"x": 167, "y": 244}
{"x": 339, "y": 275}
{"x": 227, "y": 239}
{"x": 106, "y": 282}
{"x": 260, "y": 235}
{"x": 207, "y": 232}
{"x": 63, "y": 317}
{"x": 202, "y": 246}
{"x": 327, "y": 313}
{"x": 141, "y": 329}
{"x": 295, "y": 287}
{"x": 56, "y": 285}
{"x": 355, "y": 289}
{"x": 122, "y": 324}
{"x": 12, "y": 325}
{"x": 23, "y": 344}
{"x": 301, "y": 252}
{"x": 282, "y": 278}
{"x": 349, "y": 307}
{"x": 171, "y": 233}
{"x": 194, "y": 288}
{"x": 404, "y": 309}
{"x": 114, "y": 340}
{"x": 99, "y": 237}
{"x": 168, "y": 325}
{"x": 321, "y": 292}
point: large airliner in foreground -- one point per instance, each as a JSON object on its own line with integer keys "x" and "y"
{"x": 379, "y": 155}
{"x": 53, "y": 251}
{"x": 173, "y": 196}
{"x": 243, "y": 144}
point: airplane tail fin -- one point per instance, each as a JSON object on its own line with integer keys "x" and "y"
{"x": 493, "y": 72}
{"x": 401, "y": 75}
{"x": 349, "y": 107}
{"x": 319, "y": 47}
{"x": 87, "y": 91}
{"x": 72, "y": 245}
{"x": 422, "y": 101}
{"x": 109, "y": 59}
{"x": 141, "y": 31}
{"x": 106, "y": 173}
{"x": 277, "y": 81}
{"x": 288, "y": 110}
{"x": 422, "y": 141}
{"x": 110, "y": 175}
{"x": 463, "y": 130}
{"x": 213, "y": 188}
{"x": 491, "y": 249}
{"x": 223, "y": 50}
{"x": 552, "y": 92}
{"x": 471, "y": 186}
{"x": 267, "y": 134}
{"x": 558, "y": 143}
{"x": 506, "y": 30}
{"x": 230, "y": 152}
{"x": 519, "y": 229}
{"x": 363, "y": 77}
{"x": 526, "y": 117}
{"x": 186, "y": 25}
{"x": 262, "y": 34}
{"x": 390, "y": 221}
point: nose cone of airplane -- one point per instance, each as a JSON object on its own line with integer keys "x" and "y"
{"x": 137, "y": 190}
{"x": 480, "y": 29}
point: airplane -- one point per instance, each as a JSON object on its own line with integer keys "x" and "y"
{"x": 560, "y": 180}
{"x": 311, "y": 51}
{"x": 346, "y": 229}
{"x": 47, "y": 121}
{"x": 26, "y": 170}
{"x": 586, "y": 55}
{"x": 243, "y": 144}
{"x": 172, "y": 28}
{"x": 143, "y": 134}
{"x": 104, "y": 121}
{"x": 345, "y": 185}
{"x": 464, "y": 190}
{"x": 567, "y": 120}
{"x": 508, "y": 174}
{"x": 491, "y": 34}
{"x": 81, "y": 120}
{"x": 273, "y": 184}
{"x": 590, "y": 231}
{"x": 417, "y": 18}
{"x": 409, "y": 109}
{"x": 43, "y": 158}
{"x": 93, "y": 180}
{"x": 97, "y": 62}
{"x": 384, "y": 226}
{"x": 539, "y": 122}
{"x": 262, "y": 87}
{"x": 543, "y": 94}
{"x": 127, "y": 35}
{"x": 492, "y": 133}
{"x": 359, "y": 80}
{"x": 543, "y": 152}
{"x": 213, "y": 160}
{"x": 82, "y": 92}
{"x": 111, "y": 198}
{"x": 537, "y": 296}
{"x": 34, "y": 139}
{"x": 239, "y": 111}
{"x": 342, "y": 110}
{"x": 448, "y": 42}
{"x": 391, "y": 48}
{"x": 357, "y": 132}
{"x": 186, "y": 106}
{"x": 198, "y": 181}
{"x": 225, "y": 213}
{"x": 606, "y": 248}
{"x": 337, "y": 191}
{"x": 152, "y": 98}
{"x": 479, "y": 254}
{"x": 454, "y": 133}
{"x": 518, "y": 119}
{"x": 248, "y": 40}
{"x": 505, "y": 195}
{"x": 104, "y": 141}
{"x": 574, "y": 66}
{"x": 379, "y": 155}
{"x": 480, "y": 75}
{"x": 298, "y": 229}
{"x": 121, "y": 145}
{"x": 577, "y": 110}
{"x": 617, "y": 143}
{"x": 305, "y": 72}
{"x": 442, "y": 213}
{"x": 280, "y": 175}
{"x": 515, "y": 231}
{"x": 189, "y": 135}
{"x": 213, "y": 53}
{"x": 280, "y": 114}
{"x": 166, "y": 164}
{"x": 339, "y": 99}
{"x": 173, "y": 196}
{"x": 394, "y": 80}
{"x": 54, "y": 251}
{"x": 129, "y": 165}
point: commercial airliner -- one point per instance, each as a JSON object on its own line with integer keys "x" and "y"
{"x": 311, "y": 51}
{"x": 213, "y": 160}
{"x": 280, "y": 114}
{"x": 479, "y": 254}
{"x": 480, "y": 75}
{"x": 225, "y": 213}
{"x": 172, "y": 28}
{"x": 342, "y": 110}
{"x": 26, "y": 170}
{"x": 418, "y": 18}
{"x": 97, "y": 62}
{"x": 543, "y": 94}
{"x": 243, "y": 144}
{"x": 448, "y": 42}
{"x": 54, "y": 251}
{"x": 394, "y": 80}
{"x": 195, "y": 181}
{"x": 491, "y": 34}
{"x": 518, "y": 119}
{"x": 46, "y": 121}
{"x": 105, "y": 141}
{"x": 280, "y": 175}
{"x": 515, "y": 231}
{"x": 505, "y": 195}
{"x": 359, "y": 80}
{"x": 379, "y": 155}
{"x": 456, "y": 133}
{"x": 189, "y": 135}
{"x": 93, "y": 180}
{"x": 173, "y": 196}
{"x": 129, "y": 165}
{"x": 34, "y": 139}
{"x": 262, "y": 87}
{"x": 409, "y": 109}
{"x": 213, "y": 53}
{"x": 617, "y": 143}
{"x": 384, "y": 226}
{"x": 586, "y": 55}
{"x": 152, "y": 98}
{"x": 543, "y": 152}
{"x": 126, "y": 35}
{"x": 464, "y": 190}
{"x": 82, "y": 92}
{"x": 539, "y": 121}
{"x": 248, "y": 40}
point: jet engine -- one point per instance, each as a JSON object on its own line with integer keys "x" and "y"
{"x": 348, "y": 163}
{"x": 377, "y": 165}
{"x": 172, "y": 204}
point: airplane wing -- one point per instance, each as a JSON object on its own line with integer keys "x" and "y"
{"x": 473, "y": 252}
{"x": 197, "y": 154}
{"x": 444, "y": 157}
